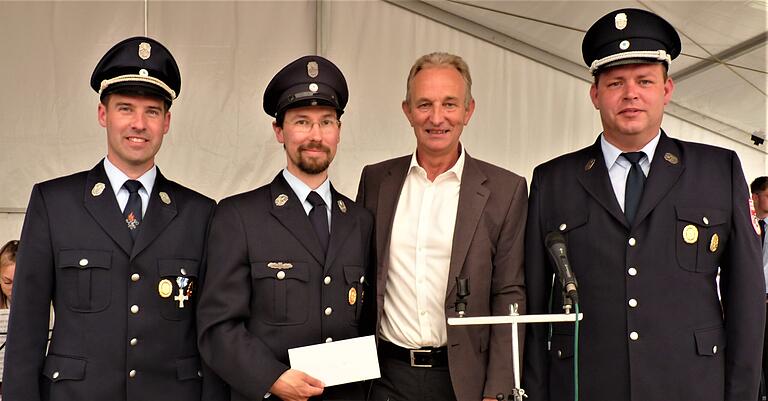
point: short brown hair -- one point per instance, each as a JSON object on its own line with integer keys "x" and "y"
{"x": 441, "y": 59}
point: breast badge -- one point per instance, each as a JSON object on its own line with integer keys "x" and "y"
{"x": 165, "y": 288}
{"x": 690, "y": 234}
{"x": 714, "y": 242}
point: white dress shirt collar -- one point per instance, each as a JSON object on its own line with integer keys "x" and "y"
{"x": 117, "y": 178}
{"x": 456, "y": 170}
{"x": 302, "y": 190}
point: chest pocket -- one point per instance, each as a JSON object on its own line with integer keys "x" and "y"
{"x": 177, "y": 287}
{"x": 280, "y": 292}
{"x": 568, "y": 224}
{"x": 85, "y": 279}
{"x": 700, "y": 236}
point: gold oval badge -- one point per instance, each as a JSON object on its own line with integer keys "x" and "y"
{"x": 165, "y": 288}
{"x": 98, "y": 189}
{"x": 690, "y": 234}
{"x": 352, "y": 296}
{"x": 714, "y": 242}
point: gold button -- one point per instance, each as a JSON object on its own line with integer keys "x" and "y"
{"x": 328, "y": 311}
{"x": 632, "y": 303}
{"x": 83, "y": 262}
{"x": 632, "y": 271}
{"x": 132, "y": 373}
{"x": 134, "y": 308}
{"x": 56, "y": 375}
{"x": 280, "y": 275}
{"x": 135, "y": 277}
{"x": 183, "y": 271}
{"x": 329, "y": 339}
{"x": 563, "y": 227}
{"x": 327, "y": 280}
{"x": 134, "y": 341}
{"x": 632, "y": 241}
{"x": 634, "y": 336}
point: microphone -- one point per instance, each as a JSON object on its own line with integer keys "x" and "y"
{"x": 555, "y": 243}
{"x": 462, "y": 292}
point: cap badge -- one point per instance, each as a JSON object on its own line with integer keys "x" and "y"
{"x": 313, "y": 87}
{"x": 621, "y": 21}
{"x": 165, "y": 198}
{"x": 143, "y": 72}
{"x": 312, "y": 69}
{"x": 670, "y": 158}
{"x": 342, "y": 206}
{"x": 589, "y": 165}
{"x": 98, "y": 189}
{"x": 145, "y": 50}
{"x": 624, "y": 45}
{"x": 281, "y": 199}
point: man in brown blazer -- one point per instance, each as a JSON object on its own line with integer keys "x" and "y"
{"x": 439, "y": 215}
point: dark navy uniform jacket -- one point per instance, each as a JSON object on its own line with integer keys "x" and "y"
{"x": 114, "y": 336}
{"x": 654, "y": 328}
{"x": 270, "y": 287}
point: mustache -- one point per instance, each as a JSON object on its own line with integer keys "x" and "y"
{"x": 314, "y": 146}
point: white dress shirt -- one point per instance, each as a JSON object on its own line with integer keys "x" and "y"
{"x": 117, "y": 178}
{"x": 302, "y": 190}
{"x": 419, "y": 258}
{"x": 618, "y": 166}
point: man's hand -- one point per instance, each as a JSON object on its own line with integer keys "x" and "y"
{"x": 295, "y": 385}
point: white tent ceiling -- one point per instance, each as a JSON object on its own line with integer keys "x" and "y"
{"x": 720, "y": 75}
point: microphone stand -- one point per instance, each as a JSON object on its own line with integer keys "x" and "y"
{"x": 514, "y": 318}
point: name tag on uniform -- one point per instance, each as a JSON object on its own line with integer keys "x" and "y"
{"x": 338, "y": 362}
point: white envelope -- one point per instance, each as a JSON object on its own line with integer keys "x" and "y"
{"x": 338, "y": 362}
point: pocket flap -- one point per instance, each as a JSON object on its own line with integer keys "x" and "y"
{"x": 58, "y": 367}
{"x": 178, "y": 267}
{"x": 354, "y": 274}
{"x": 188, "y": 368}
{"x": 561, "y": 346}
{"x": 292, "y": 270}
{"x": 84, "y": 258}
{"x": 701, "y": 216}
{"x": 568, "y": 222}
{"x": 710, "y": 341}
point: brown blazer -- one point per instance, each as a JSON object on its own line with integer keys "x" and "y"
{"x": 487, "y": 248}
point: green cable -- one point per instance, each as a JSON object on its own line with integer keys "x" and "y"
{"x": 576, "y": 355}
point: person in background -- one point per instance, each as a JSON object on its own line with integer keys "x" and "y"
{"x": 759, "y": 189}
{"x": 7, "y": 269}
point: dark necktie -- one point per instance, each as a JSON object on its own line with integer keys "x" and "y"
{"x": 319, "y": 219}
{"x": 634, "y": 187}
{"x": 762, "y": 232}
{"x": 132, "y": 212}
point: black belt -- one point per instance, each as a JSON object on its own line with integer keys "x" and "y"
{"x": 426, "y": 357}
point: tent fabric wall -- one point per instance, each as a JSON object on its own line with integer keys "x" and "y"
{"x": 221, "y": 142}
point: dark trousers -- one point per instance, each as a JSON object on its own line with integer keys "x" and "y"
{"x": 402, "y": 382}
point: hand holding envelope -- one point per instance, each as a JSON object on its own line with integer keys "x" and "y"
{"x": 338, "y": 362}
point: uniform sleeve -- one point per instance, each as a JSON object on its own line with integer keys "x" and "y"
{"x": 237, "y": 356}
{"x": 538, "y": 279}
{"x": 507, "y": 288}
{"x": 32, "y": 294}
{"x": 743, "y": 295}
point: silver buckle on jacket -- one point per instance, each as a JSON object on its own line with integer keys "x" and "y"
{"x": 413, "y": 357}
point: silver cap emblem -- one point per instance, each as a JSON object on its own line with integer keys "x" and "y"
{"x": 145, "y": 50}
{"x": 620, "y": 20}
{"x": 312, "y": 69}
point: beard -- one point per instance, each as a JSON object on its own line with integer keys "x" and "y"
{"x": 312, "y": 165}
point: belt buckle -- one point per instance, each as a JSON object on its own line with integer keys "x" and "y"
{"x": 413, "y": 357}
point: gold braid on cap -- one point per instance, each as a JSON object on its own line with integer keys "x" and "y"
{"x": 136, "y": 77}
{"x": 660, "y": 55}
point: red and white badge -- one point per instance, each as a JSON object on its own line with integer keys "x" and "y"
{"x": 753, "y": 214}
